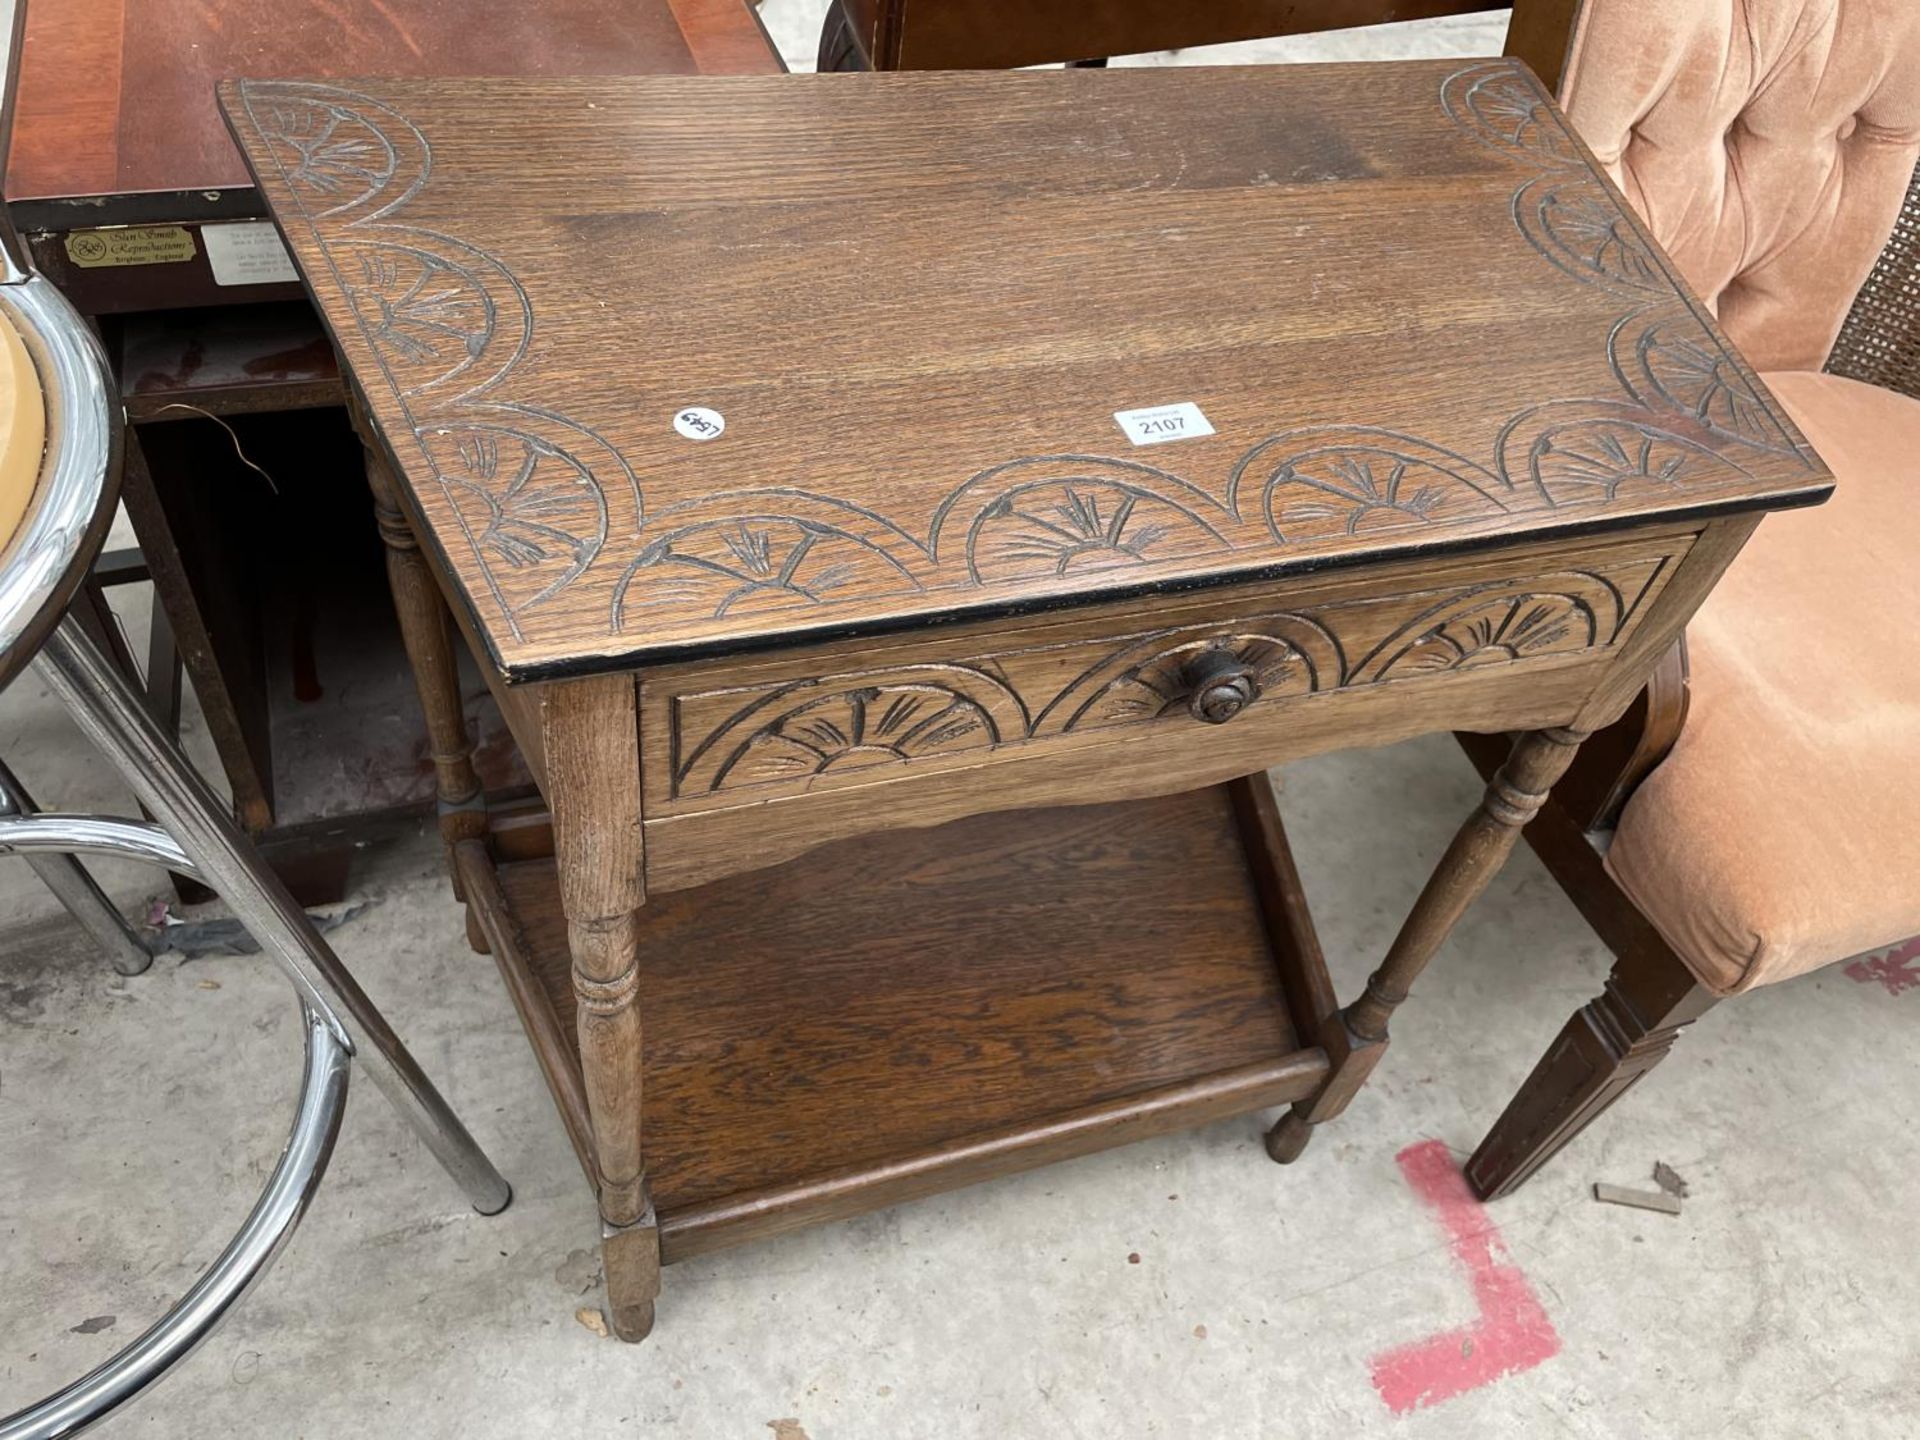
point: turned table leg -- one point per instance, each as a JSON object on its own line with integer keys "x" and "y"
{"x": 1356, "y": 1038}
{"x": 593, "y": 776}
{"x": 426, "y": 629}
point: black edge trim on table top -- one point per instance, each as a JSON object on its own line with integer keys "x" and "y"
{"x": 616, "y": 657}
{"x": 643, "y": 657}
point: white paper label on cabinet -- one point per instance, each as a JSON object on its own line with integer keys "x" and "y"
{"x": 1163, "y": 423}
{"x": 247, "y": 254}
{"x": 697, "y": 422}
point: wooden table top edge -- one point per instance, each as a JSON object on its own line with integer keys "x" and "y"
{"x": 523, "y": 664}
{"x": 580, "y": 663}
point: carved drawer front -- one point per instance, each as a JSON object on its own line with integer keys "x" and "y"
{"x": 740, "y": 730}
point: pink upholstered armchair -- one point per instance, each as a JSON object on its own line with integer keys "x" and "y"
{"x": 1762, "y": 819}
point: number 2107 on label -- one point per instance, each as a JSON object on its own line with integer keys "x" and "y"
{"x": 1162, "y": 423}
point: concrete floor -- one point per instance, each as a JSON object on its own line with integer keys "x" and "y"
{"x": 139, "y": 1117}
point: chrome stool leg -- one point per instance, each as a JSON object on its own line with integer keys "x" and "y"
{"x": 78, "y": 891}
{"x": 323, "y": 1095}
{"x": 113, "y": 719}
{"x": 96, "y": 1395}
{"x": 45, "y": 556}
{"x": 195, "y": 837}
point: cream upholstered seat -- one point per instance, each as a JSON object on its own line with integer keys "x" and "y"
{"x": 23, "y": 428}
{"x": 1769, "y": 144}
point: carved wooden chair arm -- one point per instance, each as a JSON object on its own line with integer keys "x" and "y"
{"x": 1616, "y": 759}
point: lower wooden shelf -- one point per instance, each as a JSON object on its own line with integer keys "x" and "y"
{"x": 897, "y": 1015}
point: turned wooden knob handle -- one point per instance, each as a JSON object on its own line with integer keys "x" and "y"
{"x": 1219, "y": 686}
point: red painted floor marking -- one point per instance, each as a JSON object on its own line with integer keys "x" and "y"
{"x": 1891, "y": 969}
{"x": 1513, "y": 1332}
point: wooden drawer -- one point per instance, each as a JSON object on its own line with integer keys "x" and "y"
{"x": 741, "y": 732}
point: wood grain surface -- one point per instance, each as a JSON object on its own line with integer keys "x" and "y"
{"x": 588, "y": 732}
{"x": 1459, "y": 454}
{"x": 918, "y": 301}
{"x": 117, "y": 96}
{"x": 880, "y": 1000}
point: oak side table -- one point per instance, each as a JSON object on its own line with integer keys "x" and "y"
{"x": 902, "y": 516}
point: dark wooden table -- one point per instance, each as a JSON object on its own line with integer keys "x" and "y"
{"x": 269, "y": 580}
{"x": 117, "y": 125}
{"x": 902, "y": 694}
{"x": 997, "y": 34}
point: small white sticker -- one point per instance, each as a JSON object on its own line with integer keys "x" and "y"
{"x": 697, "y": 422}
{"x": 1163, "y": 423}
{"x": 247, "y": 254}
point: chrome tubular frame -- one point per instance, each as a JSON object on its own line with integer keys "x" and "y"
{"x": 323, "y": 1095}
{"x": 77, "y": 890}
{"x": 73, "y": 502}
{"x": 113, "y": 719}
{"x": 194, "y": 836}
{"x": 40, "y": 567}
{"x": 316, "y": 1121}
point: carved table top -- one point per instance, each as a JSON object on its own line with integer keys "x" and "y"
{"x": 1406, "y": 312}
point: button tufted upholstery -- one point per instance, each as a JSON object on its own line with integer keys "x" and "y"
{"x": 1768, "y": 143}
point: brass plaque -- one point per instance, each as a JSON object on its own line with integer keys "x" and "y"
{"x": 129, "y": 245}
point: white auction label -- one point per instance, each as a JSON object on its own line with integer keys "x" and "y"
{"x": 247, "y": 254}
{"x": 1163, "y": 423}
{"x": 697, "y": 422}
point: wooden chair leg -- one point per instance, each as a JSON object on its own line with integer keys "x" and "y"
{"x": 1602, "y": 1053}
{"x": 839, "y": 50}
{"x": 95, "y": 615}
{"x": 165, "y": 672}
{"x": 1650, "y": 996}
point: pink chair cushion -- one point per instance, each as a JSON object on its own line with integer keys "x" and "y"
{"x": 1783, "y": 832}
